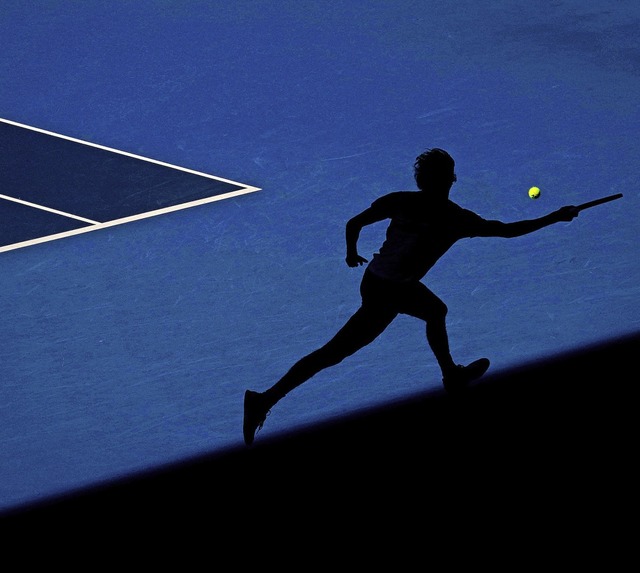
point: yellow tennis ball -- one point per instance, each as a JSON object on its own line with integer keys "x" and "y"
{"x": 534, "y": 192}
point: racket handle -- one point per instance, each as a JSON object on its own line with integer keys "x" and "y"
{"x": 598, "y": 201}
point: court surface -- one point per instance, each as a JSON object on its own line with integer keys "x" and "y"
{"x": 215, "y": 152}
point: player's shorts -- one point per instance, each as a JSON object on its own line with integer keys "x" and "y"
{"x": 412, "y": 298}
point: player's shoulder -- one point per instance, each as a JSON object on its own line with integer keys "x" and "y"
{"x": 468, "y": 222}
{"x": 401, "y": 195}
{"x": 398, "y": 199}
{"x": 462, "y": 211}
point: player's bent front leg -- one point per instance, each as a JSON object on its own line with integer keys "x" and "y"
{"x": 422, "y": 303}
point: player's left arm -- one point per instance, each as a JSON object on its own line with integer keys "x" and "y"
{"x": 489, "y": 228}
{"x": 369, "y": 216}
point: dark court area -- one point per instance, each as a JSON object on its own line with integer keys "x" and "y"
{"x": 84, "y": 184}
{"x": 551, "y": 435}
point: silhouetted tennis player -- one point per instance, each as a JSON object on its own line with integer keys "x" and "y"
{"x": 423, "y": 225}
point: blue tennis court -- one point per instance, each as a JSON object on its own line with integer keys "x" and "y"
{"x": 175, "y": 178}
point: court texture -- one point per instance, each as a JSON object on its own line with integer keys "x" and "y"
{"x": 175, "y": 178}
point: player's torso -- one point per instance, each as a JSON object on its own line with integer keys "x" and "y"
{"x": 418, "y": 234}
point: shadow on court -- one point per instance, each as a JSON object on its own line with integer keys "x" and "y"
{"x": 556, "y": 430}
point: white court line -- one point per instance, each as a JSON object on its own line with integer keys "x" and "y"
{"x": 120, "y": 152}
{"x": 95, "y": 225}
{"x": 124, "y": 220}
{"x": 43, "y": 208}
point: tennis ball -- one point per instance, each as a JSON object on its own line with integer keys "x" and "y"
{"x": 534, "y": 192}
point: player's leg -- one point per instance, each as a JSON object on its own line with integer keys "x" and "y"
{"x": 422, "y": 303}
{"x": 361, "y": 329}
{"x": 369, "y": 321}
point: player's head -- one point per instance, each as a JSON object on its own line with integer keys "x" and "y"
{"x": 434, "y": 170}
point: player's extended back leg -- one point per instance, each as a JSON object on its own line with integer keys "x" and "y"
{"x": 361, "y": 329}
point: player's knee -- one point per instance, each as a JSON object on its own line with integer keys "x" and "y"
{"x": 436, "y": 312}
{"x": 440, "y": 310}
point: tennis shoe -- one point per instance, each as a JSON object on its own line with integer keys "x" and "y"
{"x": 462, "y": 375}
{"x": 255, "y": 413}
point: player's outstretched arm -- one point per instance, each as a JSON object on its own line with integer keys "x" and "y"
{"x": 524, "y": 227}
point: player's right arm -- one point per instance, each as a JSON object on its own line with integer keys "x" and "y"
{"x": 354, "y": 225}
{"x": 518, "y": 228}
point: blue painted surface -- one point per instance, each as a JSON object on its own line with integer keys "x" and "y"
{"x": 130, "y": 348}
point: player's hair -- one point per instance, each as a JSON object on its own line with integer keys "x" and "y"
{"x": 433, "y": 164}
